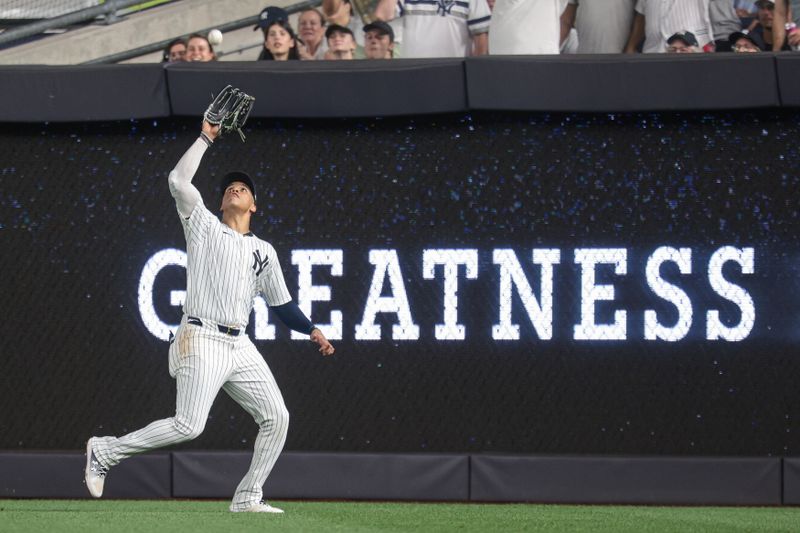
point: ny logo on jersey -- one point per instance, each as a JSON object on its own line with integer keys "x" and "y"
{"x": 445, "y": 7}
{"x": 258, "y": 263}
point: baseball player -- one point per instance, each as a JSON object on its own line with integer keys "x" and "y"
{"x": 227, "y": 267}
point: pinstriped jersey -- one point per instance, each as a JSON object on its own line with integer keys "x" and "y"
{"x": 442, "y": 28}
{"x": 226, "y": 270}
{"x": 662, "y": 18}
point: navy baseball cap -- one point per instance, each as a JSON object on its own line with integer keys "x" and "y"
{"x": 269, "y": 15}
{"x": 735, "y": 36}
{"x": 336, "y": 28}
{"x": 685, "y": 36}
{"x": 230, "y": 177}
{"x": 382, "y": 27}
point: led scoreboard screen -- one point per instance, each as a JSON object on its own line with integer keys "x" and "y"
{"x": 522, "y": 283}
{"x": 512, "y": 282}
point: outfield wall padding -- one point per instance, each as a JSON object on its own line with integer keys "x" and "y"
{"x": 421, "y": 477}
{"x": 578, "y": 83}
{"x": 328, "y": 476}
{"x": 614, "y": 83}
{"x": 82, "y": 93}
{"x": 787, "y": 68}
{"x": 325, "y": 89}
{"x": 627, "y": 480}
{"x": 60, "y": 475}
{"x": 791, "y": 481}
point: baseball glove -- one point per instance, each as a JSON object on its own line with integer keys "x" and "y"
{"x": 229, "y": 110}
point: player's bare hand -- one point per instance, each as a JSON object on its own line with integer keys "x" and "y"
{"x": 210, "y": 130}
{"x": 794, "y": 38}
{"x": 325, "y": 347}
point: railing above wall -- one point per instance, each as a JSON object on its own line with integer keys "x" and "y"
{"x": 224, "y": 28}
{"x": 107, "y": 10}
{"x": 614, "y": 83}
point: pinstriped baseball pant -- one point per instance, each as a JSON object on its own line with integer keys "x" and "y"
{"x": 202, "y": 360}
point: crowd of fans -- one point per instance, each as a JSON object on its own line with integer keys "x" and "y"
{"x": 459, "y": 28}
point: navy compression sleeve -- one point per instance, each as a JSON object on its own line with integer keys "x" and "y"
{"x": 293, "y": 317}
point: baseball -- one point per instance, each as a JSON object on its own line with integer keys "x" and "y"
{"x": 215, "y": 37}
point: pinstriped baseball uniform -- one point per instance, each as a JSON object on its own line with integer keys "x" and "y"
{"x": 441, "y": 28}
{"x": 665, "y": 17}
{"x": 225, "y": 271}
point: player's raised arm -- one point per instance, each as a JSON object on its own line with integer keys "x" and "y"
{"x": 180, "y": 179}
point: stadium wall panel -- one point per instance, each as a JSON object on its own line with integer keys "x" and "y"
{"x": 788, "y": 76}
{"x": 325, "y": 89}
{"x": 60, "y": 475}
{"x": 328, "y": 476}
{"x": 627, "y": 480}
{"x": 419, "y": 477}
{"x": 791, "y": 480}
{"x": 613, "y": 83}
{"x": 82, "y": 93}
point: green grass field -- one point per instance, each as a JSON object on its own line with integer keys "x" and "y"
{"x": 164, "y": 516}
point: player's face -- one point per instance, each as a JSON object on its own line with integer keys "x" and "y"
{"x": 377, "y": 45}
{"x": 238, "y": 197}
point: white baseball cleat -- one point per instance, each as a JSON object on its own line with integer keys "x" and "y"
{"x": 95, "y": 473}
{"x": 262, "y": 507}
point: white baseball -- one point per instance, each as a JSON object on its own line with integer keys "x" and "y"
{"x": 215, "y": 37}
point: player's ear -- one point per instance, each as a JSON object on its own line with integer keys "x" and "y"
{"x": 253, "y": 208}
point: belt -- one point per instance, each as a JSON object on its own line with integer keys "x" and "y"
{"x": 227, "y": 330}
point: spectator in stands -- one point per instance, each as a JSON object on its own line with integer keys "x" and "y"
{"x": 656, "y": 20}
{"x": 433, "y": 29}
{"x": 340, "y": 12}
{"x": 175, "y": 51}
{"x": 603, "y": 25}
{"x": 341, "y": 42}
{"x": 682, "y": 43}
{"x": 761, "y": 32}
{"x": 525, "y": 27}
{"x": 746, "y": 10}
{"x": 741, "y": 42}
{"x": 378, "y": 40}
{"x": 787, "y": 13}
{"x": 199, "y": 49}
{"x": 280, "y": 42}
{"x": 311, "y": 27}
{"x": 724, "y": 21}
